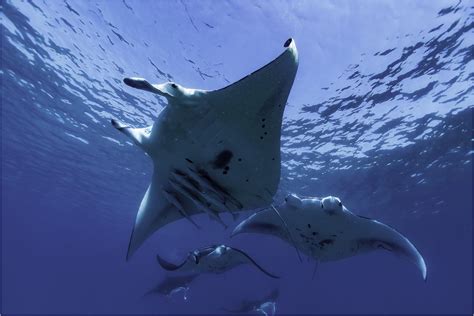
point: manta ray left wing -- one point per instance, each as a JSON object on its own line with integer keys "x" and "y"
{"x": 213, "y": 151}
{"x": 168, "y": 266}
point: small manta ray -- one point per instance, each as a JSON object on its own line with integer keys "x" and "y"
{"x": 252, "y": 306}
{"x": 325, "y": 230}
{"x": 213, "y": 151}
{"x": 213, "y": 259}
{"x": 170, "y": 285}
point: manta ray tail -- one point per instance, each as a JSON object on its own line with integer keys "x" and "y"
{"x": 256, "y": 264}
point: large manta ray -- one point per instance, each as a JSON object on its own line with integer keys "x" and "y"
{"x": 253, "y": 306}
{"x": 213, "y": 151}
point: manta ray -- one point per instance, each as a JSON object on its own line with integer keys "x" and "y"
{"x": 213, "y": 151}
{"x": 257, "y": 305}
{"x": 323, "y": 228}
{"x": 171, "y": 284}
{"x": 213, "y": 259}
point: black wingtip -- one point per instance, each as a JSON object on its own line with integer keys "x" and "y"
{"x": 118, "y": 125}
{"x": 128, "y": 82}
{"x": 288, "y": 42}
{"x": 114, "y": 123}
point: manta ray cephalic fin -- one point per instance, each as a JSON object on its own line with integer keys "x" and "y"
{"x": 143, "y": 84}
{"x": 138, "y": 135}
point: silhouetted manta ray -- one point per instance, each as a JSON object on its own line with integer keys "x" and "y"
{"x": 213, "y": 151}
{"x": 325, "y": 230}
{"x": 171, "y": 283}
{"x": 249, "y": 306}
{"x": 213, "y": 259}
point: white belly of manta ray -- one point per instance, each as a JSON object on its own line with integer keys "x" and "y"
{"x": 213, "y": 151}
{"x": 325, "y": 230}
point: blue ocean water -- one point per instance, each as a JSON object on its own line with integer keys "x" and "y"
{"x": 380, "y": 115}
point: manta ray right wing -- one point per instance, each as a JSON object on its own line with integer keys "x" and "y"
{"x": 375, "y": 235}
{"x": 138, "y": 135}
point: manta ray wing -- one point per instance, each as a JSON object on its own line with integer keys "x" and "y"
{"x": 153, "y": 213}
{"x": 376, "y": 235}
{"x": 168, "y": 266}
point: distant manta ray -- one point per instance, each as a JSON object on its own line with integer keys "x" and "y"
{"x": 213, "y": 151}
{"x": 252, "y": 306}
{"x": 170, "y": 284}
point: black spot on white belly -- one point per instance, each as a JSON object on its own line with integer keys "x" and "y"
{"x": 226, "y": 169}
{"x": 222, "y": 159}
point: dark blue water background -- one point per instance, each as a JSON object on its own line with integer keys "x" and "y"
{"x": 380, "y": 115}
